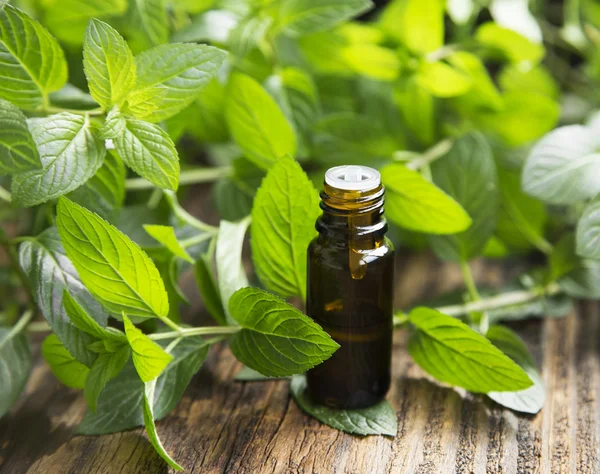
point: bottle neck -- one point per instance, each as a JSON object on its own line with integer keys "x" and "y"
{"x": 352, "y": 215}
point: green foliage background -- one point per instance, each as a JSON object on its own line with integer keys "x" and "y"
{"x": 480, "y": 115}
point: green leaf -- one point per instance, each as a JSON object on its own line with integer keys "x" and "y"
{"x": 562, "y": 167}
{"x": 509, "y": 44}
{"x": 71, "y": 96}
{"x": 148, "y": 357}
{"x": 209, "y": 292}
{"x": 483, "y": 91}
{"x": 166, "y": 235}
{"x": 379, "y": 419}
{"x": 114, "y": 124}
{"x": 83, "y": 321}
{"x": 33, "y": 64}
{"x": 50, "y": 273}
{"x": 583, "y": 281}
{"x": 418, "y": 109}
{"x": 110, "y": 265}
{"x": 300, "y": 17}
{"x": 106, "y": 367}
{"x": 521, "y": 218}
{"x": 540, "y": 112}
{"x": 414, "y": 203}
{"x": 149, "y": 151}
{"x": 588, "y": 231}
{"x": 418, "y": 24}
{"x": 230, "y": 269}
{"x": 468, "y": 175}
{"x": 283, "y": 224}
{"x": 64, "y": 366}
{"x": 456, "y": 354}
{"x": 149, "y": 395}
{"x": 70, "y": 153}
{"x": 246, "y": 374}
{"x": 18, "y": 152}
{"x": 170, "y": 77}
{"x": 530, "y": 400}
{"x": 537, "y": 80}
{"x": 348, "y": 138}
{"x": 108, "y": 64}
{"x": 15, "y": 366}
{"x": 248, "y": 34}
{"x": 288, "y": 342}
{"x": 150, "y": 23}
{"x": 68, "y": 19}
{"x": 371, "y": 60}
{"x": 104, "y": 192}
{"x": 120, "y": 403}
{"x": 442, "y": 80}
{"x": 256, "y": 123}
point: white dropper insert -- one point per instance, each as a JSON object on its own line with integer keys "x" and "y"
{"x": 352, "y": 178}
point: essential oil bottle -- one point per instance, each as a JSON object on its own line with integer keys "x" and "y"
{"x": 350, "y": 289}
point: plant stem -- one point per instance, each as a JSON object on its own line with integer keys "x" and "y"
{"x": 442, "y": 53}
{"x": 56, "y": 110}
{"x": 436, "y": 151}
{"x": 172, "y": 324}
{"x": 39, "y": 326}
{"x": 201, "y": 331}
{"x": 199, "y": 175}
{"x": 17, "y": 328}
{"x": 5, "y": 195}
{"x": 185, "y": 216}
{"x": 486, "y": 304}
{"x": 196, "y": 240}
{"x": 469, "y": 280}
{"x": 16, "y": 266}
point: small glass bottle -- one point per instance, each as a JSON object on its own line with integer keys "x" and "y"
{"x": 351, "y": 289}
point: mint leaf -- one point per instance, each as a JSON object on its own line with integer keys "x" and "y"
{"x": 104, "y": 192}
{"x": 483, "y": 91}
{"x": 467, "y": 173}
{"x": 285, "y": 209}
{"x": 442, "y": 80}
{"x": 246, "y": 374}
{"x": 170, "y": 77}
{"x": 70, "y": 153}
{"x": 108, "y": 64}
{"x": 50, "y": 273}
{"x": 231, "y": 275}
{"x": 15, "y": 367}
{"x": 588, "y": 231}
{"x": 120, "y": 403}
{"x": 33, "y": 63}
{"x": 150, "y": 23}
{"x": 509, "y": 44}
{"x": 63, "y": 365}
{"x": 414, "y": 203}
{"x": 149, "y": 394}
{"x": 456, "y": 354}
{"x": 530, "y": 400}
{"x": 256, "y": 123}
{"x": 106, "y": 367}
{"x": 418, "y": 24}
{"x": 83, "y": 321}
{"x": 300, "y": 17}
{"x": 209, "y": 292}
{"x": 165, "y": 234}
{"x": 149, "y": 358}
{"x": 418, "y": 109}
{"x": 149, "y": 151}
{"x": 110, "y": 265}
{"x": 18, "y": 152}
{"x": 114, "y": 124}
{"x": 248, "y": 34}
{"x": 290, "y": 342}
{"x": 379, "y": 419}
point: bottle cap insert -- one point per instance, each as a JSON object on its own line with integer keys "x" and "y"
{"x": 353, "y": 178}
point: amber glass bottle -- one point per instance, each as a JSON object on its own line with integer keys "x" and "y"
{"x": 350, "y": 289}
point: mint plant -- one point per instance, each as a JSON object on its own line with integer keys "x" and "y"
{"x": 474, "y": 121}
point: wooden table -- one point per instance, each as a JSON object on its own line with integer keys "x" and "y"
{"x": 227, "y": 426}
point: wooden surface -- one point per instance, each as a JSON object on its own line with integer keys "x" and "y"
{"x": 227, "y": 426}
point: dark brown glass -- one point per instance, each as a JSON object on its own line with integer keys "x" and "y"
{"x": 350, "y": 294}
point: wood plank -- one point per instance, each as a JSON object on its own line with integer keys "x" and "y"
{"x": 227, "y": 426}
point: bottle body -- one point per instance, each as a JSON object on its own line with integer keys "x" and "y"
{"x": 350, "y": 294}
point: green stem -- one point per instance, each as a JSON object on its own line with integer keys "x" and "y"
{"x": 436, "y": 151}
{"x": 469, "y": 280}
{"x": 186, "y": 217}
{"x": 17, "y": 328}
{"x": 56, "y": 110}
{"x": 172, "y": 324}
{"x": 442, "y": 53}
{"x": 5, "y": 195}
{"x": 201, "y": 331}
{"x": 39, "y": 326}
{"x": 196, "y": 240}
{"x": 199, "y": 175}
{"x": 500, "y": 301}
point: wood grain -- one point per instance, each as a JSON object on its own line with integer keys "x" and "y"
{"x": 227, "y": 426}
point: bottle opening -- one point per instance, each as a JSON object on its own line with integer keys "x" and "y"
{"x": 353, "y": 178}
